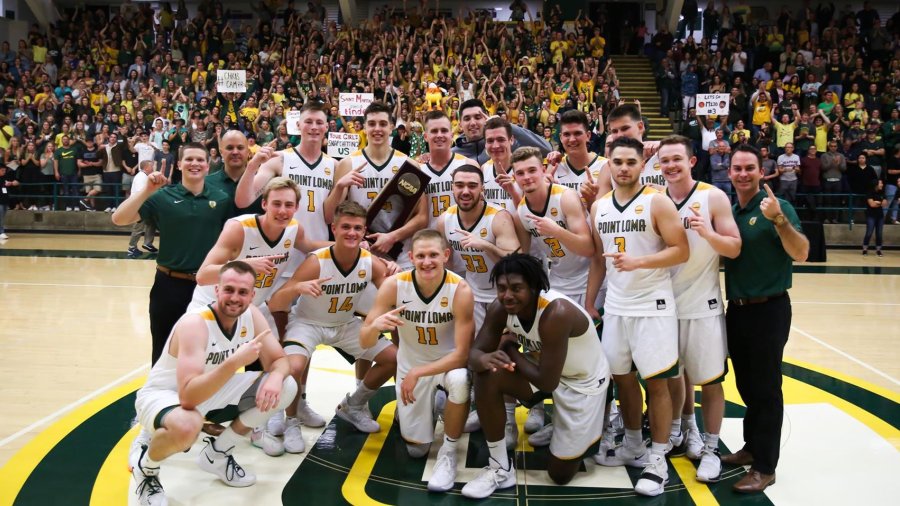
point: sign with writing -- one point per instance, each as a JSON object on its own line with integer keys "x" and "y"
{"x": 228, "y": 81}
{"x": 712, "y": 103}
{"x": 293, "y": 122}
{"x": 341, "y": 144}
{"x": 354, "y": 104}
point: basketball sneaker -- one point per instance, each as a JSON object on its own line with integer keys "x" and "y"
{"x": 307, "y": 416}
{"x": 541, "y": 437}
{"x": 490, "y": 479}
{"x": 677, "y": 446}
{"x": 607, "y": 443}
{"x": 223, "y": 465}
{"x": 473, "y": 423}
{"x": 148, "y": 489}
{"x": 275, "y": 425}
{"x": 443, "y": 476}
{"x": 358, "y": 416}
{"x": 270, "y": 445}
{"x": 654, "y": 478}
{"x": 694, "y": 444}
{"x": 535, "y": 419}
{"x": 140, "y": 443}
{"x": 622, "y": 455}
{"x": 512, "y": 435}
{"x": 710, "y": 469}
{"x": 293, "y": 437}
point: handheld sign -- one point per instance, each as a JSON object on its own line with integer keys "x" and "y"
{"x": 712, "y": 103}
{"x": 293, "y": 122}
{"x": 354, "y": 104}
{"x": 231, "y": 81}
{"x": 341, "y": 144}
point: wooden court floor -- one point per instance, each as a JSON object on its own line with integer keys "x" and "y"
{"x": 75, "y": 336}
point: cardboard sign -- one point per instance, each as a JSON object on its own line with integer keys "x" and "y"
{"x": 341, "y": 144}
{"x": 712, "y": 103}
{"x": 292, "y": 119}
{"x": 231, "y": 81}
{"x": 354, "y": 104}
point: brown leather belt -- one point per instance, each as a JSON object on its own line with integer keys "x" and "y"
{"x": 746, "y": 301}
{"x": 177, "y": 274}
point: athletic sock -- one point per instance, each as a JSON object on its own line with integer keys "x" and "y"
{"x": 227, "y": 440}
{"x": 361, "y": 396}
{"x": 358, "y": 382}
{"x": 498, "y": 453}
{"x": 449, "y": 443}
{"x": 510, "y": 408}
{"x": 148, "y": 466}
{"x": 712, "y": 441}
{"x": 658, "y": 449}
{"x": 633, "y": 438}
{"x": 689, "y": 421}
{"x": 675, "y": 428}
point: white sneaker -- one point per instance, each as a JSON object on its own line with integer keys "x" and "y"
{"x": 535, "y": 419}
{"x": 694, "y": 444}
{"x": 489, "y": 480}
{"x": 108, "y": 210}
{"x": 148, "y": 489}
{"x": 607, "y": 443}
{"x": 624, "y": 456}
{"x": 307, "y": 416}
{"x": 710, "y": 469}
{"x": 141, "y": 441}
{"x": 293, "y": 437}
{"x": 32, "y": 208}
{"x": 68, "y": 208}
{"x": 275, "y": 425}
{"x": 541, "y": 437}
{"x": 223, "y": 465}
{"x": 271, "y": 445}
{"x": 677, "y": 446}
{"x": 443, "y": 476}
{"x": 358, "y": 416}
{"x": 654, "y": 478}
{"x": 512, "y": 435}
{"x": 4, "y": 237}
{"x": 472, "y": 422}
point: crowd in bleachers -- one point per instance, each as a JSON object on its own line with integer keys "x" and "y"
{"x": 141, "y": 82}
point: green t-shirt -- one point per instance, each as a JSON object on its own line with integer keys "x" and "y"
{"x": 763, "y": 268}
{"x": 222, "y": 181}
{"x": 68, "y": 160}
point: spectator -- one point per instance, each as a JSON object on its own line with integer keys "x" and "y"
{"x": 719, "y": 162}
{"x": 875, "y": 205}
{"x": 401, "y": 141}
{"x": 862, "y": 177}
{"x": 788, "y": 168}
{"x": 811, "y": 181}
{"x": 834, "y": 165}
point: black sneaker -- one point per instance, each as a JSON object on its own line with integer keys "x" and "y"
{"x": 865, "y": 252}
{"x": 133, "y": 252}
{"x": 879, "y": 253}
{"x": 151, "y": 248}
{"x": 84, "y": 204}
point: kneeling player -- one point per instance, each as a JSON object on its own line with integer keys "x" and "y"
{"x": 561, "y": 358}
{"x": 197, "y": 374}
{"x": 433, "y": 317}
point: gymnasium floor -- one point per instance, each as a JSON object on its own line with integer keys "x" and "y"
{"x": 75, "y": 335}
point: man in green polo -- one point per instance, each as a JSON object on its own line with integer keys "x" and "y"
{"x": 235, "y": 156}
{"x": 758, "y": 319}
{"x": 189, "y": 217}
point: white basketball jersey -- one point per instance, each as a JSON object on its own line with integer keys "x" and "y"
{"x": 478, "y": 265}
{"x": 568, "y": 270}
{"x": 219, "y": 346}
{"x": 572, "y": 177}
{"x": 628, "y": 228}
{"x": 493, "y": 192}
{"x": 440, "y": 189}
{"x": 696, "y": 282}
{"x": 256, "y": 245}
{"x": 428, "y": 331}
{"x": 585, "y": 369}
{"x": 340, "y": 294}
{"x": 651, "y": 173}
{"x": 315, "y": 181}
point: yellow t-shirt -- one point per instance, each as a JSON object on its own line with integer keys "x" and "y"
{"x": 598, "y": 46}
{"x": 557, "y": 100}
{"x": 821, "y": 138}
{"x": 762, "y": 113}
{"x": 250, "y": 113}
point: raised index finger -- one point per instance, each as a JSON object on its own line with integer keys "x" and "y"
{"x": 397, "y": 310}
{"x": 322, "y": 280}
{"x": 696, "y": 212}
{"x": 360, "y": 168}
{"x": 769, "y": 190}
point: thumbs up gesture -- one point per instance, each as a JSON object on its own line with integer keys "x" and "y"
{"x": 770, "y": 206}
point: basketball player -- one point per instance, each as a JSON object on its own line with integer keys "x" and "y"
{"x": 578, "y": 163}
{"x": 441, "y": 165}
{"x": 431, "y": 309}
{"x": 363, "y": 174}
{"x": 561, "y": 358}
{"x": 624, "y": 121}
{"x": 197, "y": 373}
{"x": 705, "y": 212}
{"x": 331, "y": 281}
{"x": 479, "y": 235}
{"x": 499, "y": 186}
{"x": 639, "y": 231}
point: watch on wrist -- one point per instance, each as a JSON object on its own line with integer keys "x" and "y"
{"x": 779, "y": 219}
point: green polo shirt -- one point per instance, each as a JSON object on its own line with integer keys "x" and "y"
{"x": 188, "y": 224}
{"x": 220, "y": 180}
{"x": 763, "y": 268}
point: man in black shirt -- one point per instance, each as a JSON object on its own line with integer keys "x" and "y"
{"x": 90, "y": 166}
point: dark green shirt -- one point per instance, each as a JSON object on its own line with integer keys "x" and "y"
{"x": 763, "y": 268}
{"x": 220, "y": 180}
{"x": 188, "y": 224}
{"x": 68, "y": 160}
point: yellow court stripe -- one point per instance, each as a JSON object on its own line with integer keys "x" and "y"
{"x": 354, "y": 487}
{"x": 17, "y": 470}
{"x": 699, "y": 492}
{"x": 111, "y": 485}
{"x": 865, "y": 385}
